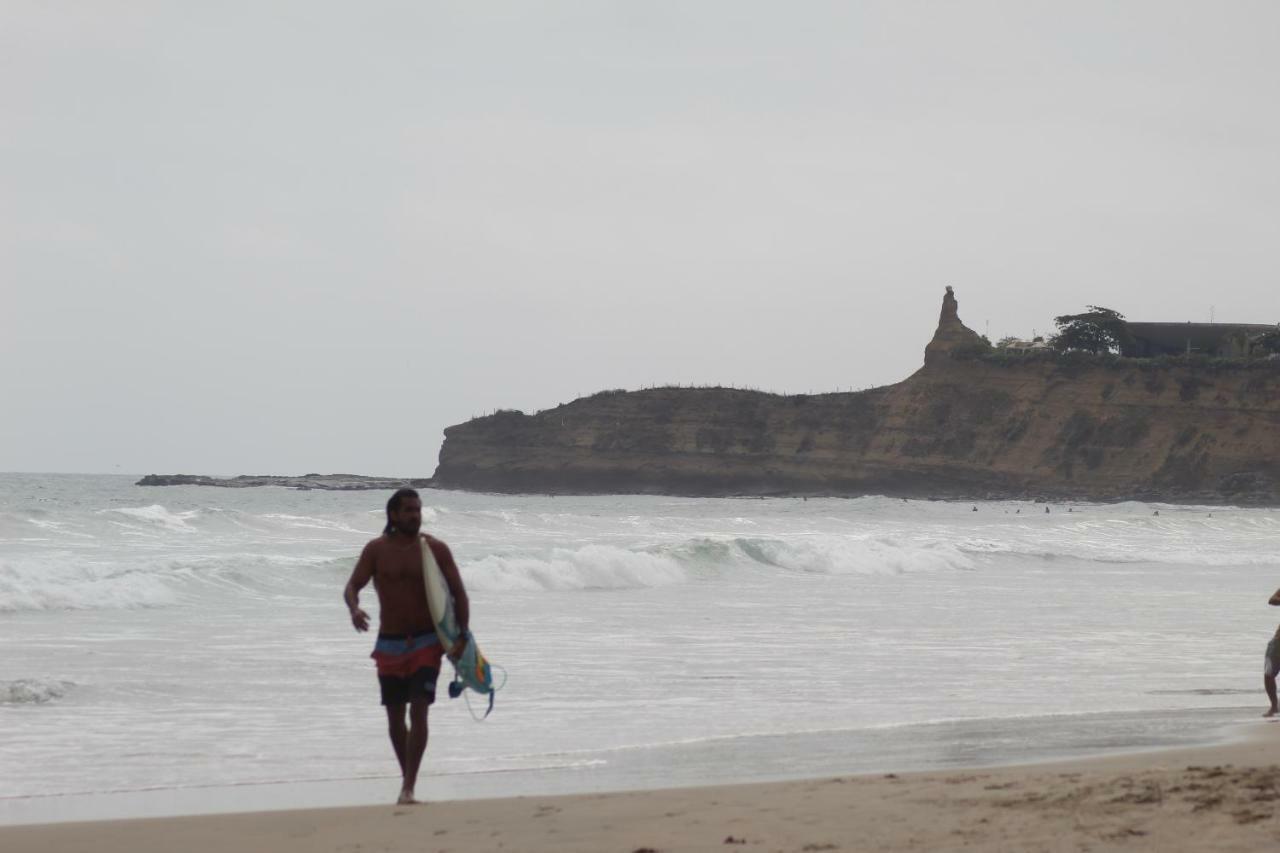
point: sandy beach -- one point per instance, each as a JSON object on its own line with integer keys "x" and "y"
{"x": 1220, "y": 798}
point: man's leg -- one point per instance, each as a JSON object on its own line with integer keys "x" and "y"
{"x": 1270, "y": 665}
{"x": 416, "y": 742}
{"x": 399, "y": 734}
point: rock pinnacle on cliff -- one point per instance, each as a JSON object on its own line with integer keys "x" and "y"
{"x": 951, "y": 333}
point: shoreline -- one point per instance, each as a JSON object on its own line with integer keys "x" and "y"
{"x": 1223, "y": 797}
{"x": 924, "y": 747}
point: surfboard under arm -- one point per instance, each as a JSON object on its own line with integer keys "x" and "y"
{"x": 439, "y": 598}
{"x": 471, "y": 669}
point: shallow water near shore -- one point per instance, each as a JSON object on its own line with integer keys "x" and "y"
{"x": 717, "y": 761}
{"x": 183, "y": 637}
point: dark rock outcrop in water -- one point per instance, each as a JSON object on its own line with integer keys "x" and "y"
{"x": 328, "y": 482}
{"x": 968, "y": 424}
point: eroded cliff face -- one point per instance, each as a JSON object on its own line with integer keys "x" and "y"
{"x": 959, "y": 427}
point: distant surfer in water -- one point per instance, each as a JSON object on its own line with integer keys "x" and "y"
{"x": 1271, "y": 665}
{"x": 407, "y": 652}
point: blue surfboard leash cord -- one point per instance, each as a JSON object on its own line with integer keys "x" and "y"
{"x": 458, "y": 687}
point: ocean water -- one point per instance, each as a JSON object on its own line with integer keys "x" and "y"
{"x": 186, "y": 638}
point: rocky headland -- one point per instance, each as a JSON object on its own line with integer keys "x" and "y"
{"x": 971, "y": 423}
{"x": 324, "y": 482}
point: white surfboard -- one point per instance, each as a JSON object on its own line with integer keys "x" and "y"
{"x": 439, "y": 599}
{"x": 470, "y": 668}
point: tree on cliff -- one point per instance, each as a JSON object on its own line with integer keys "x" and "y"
{"x": 1097, "y": 330}
{"x": 1268, "y": 343}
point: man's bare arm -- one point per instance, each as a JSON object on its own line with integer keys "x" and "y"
{"x": 1275, "y": 599}
{"x": 360, "y": 576}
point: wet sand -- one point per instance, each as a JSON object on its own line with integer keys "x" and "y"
{"x": 1221, "y": 798}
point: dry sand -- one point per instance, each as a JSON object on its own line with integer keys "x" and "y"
{"x": 1223, "y": 798}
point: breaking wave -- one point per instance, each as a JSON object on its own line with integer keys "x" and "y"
{"x": 589, "y": 567}
{"x": 156, "y": 515}
{"x": 149, "y": 556}
{"x": 856, "y": 555}
{"x": 72, "y": 583}
{"x": 69, "y": 581}
{"x": 613, "y": 567}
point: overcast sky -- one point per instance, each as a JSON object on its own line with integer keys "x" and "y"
{"x": 291, "y": 237}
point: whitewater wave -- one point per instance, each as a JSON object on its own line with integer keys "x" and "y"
{"x": 157, "y": 524}
{"x": 158, "y": 516}
{"x": 33, "y": 691}
{"x": 69, "y": 581}
{"x": 853, "y": 555}
{"x": 308, "y": 522}
{"x": 614, "y": 567}
{"x": 589, "y": 567}
{"x": 146, "y": 556}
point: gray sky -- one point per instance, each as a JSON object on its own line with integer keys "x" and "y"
{"x": 292, "y": 237}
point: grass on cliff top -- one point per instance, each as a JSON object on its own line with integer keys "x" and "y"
{"x": 795, "y": 399}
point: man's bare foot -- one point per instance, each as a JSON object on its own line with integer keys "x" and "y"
{"x": 406, "y": 799}
{"x": 1272, "y": 712}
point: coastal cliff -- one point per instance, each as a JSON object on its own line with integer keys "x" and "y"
{"x": 969, "y": 424}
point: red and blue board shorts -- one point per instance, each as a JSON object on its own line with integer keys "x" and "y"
{"x": 408, "y": 666}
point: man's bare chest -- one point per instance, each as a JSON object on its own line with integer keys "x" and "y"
{"x": 398, "y": 564}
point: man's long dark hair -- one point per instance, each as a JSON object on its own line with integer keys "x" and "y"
{"x": 394, "y": 504}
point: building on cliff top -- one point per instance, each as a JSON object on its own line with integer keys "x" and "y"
{"x": 1020, "y": 346}
{"x": 1228, "y": 340}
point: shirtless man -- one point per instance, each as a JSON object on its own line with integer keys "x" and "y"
{"x": 407, "y": 652}
{"x": 1271, "y": 664}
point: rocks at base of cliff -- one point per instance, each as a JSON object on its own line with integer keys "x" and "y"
{"x": 321, "y": 482}
{"x": 1254, "y": 487}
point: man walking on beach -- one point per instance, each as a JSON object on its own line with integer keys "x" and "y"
{"x": 1271, "y": 664}
{"x": 407, "y": 652}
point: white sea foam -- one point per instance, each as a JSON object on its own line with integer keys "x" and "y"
{"x": 159, "y": 516}
{"x": 70, "y": 581}
{"x": 614, "y": 567}
{"x": 851, "y": 555}
{"x": 66, "y": 581}
{"x": 589, "y": 567}
{"x": 307, "y": 522}
{"x": 32, "y": 691}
